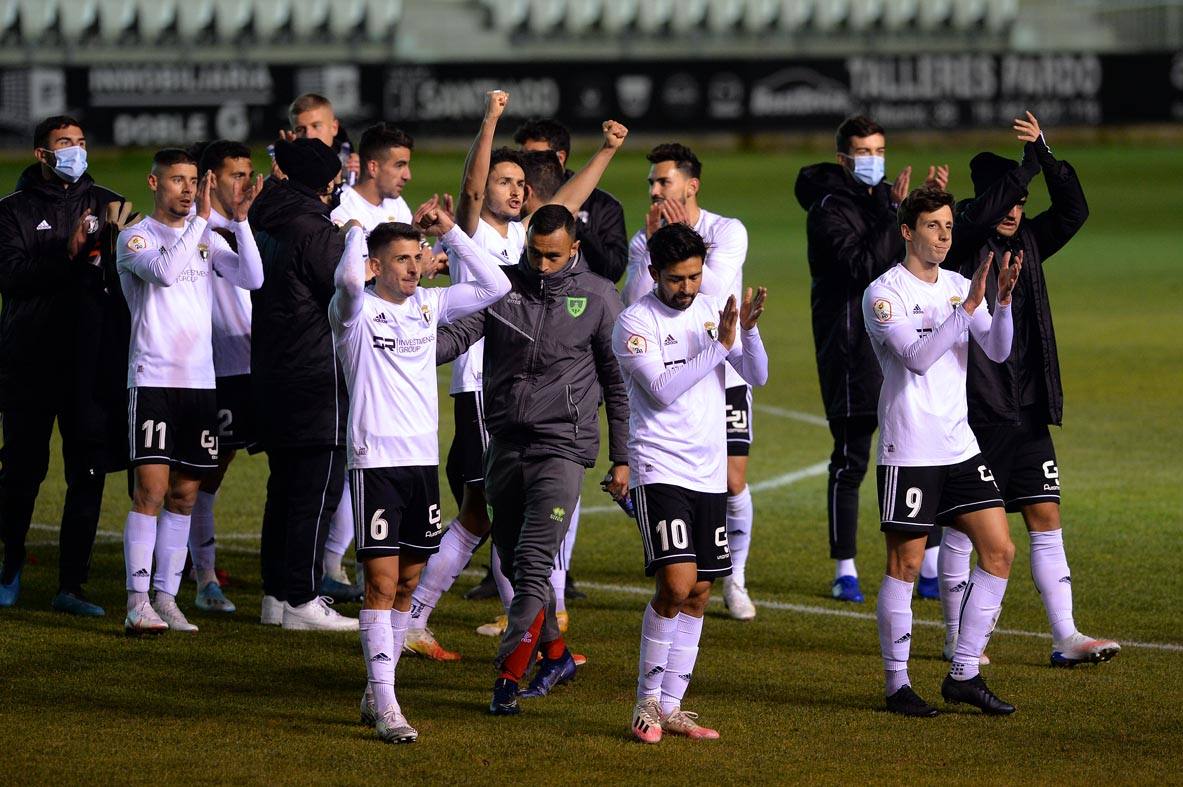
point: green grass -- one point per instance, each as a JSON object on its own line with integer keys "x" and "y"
{"x": 796, "y": 694}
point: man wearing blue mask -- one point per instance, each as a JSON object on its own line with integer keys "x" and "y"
{"x": 853, "y": 237}
{"x": 63, "y": 340}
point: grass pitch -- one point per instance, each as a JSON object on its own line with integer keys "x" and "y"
{"x": 797, "y": 693}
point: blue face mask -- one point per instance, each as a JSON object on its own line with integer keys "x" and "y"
{"x": 69, "y": 163}
{"x": 869, "y": 169}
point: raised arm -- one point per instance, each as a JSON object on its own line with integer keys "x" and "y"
{"x": 638, "y": 351}
{"x": 579, "y": 187}
{"x": 350, "y": 278}
{"x": 158, "y": 266}
{"x": 995, "y": 332}
{"x": 476, "y": 166}
{"x": 725, "y": 258}
{"x": 605, "y": 247}
{"x": 638, "y": 282}
{"x": 454, "y": 339}
{"x": 1053, "y": 228}
{"x": 751, "y": 361}
{"x": 488, "y": 284}
{"x": 243, "y": 268}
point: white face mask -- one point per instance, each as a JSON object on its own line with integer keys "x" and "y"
{"x": 869, "y": 169}
{"x": 69, "y": 163}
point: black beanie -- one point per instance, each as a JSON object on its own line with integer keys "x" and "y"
{"x": 309, "y": 162}
{"x": 985, "y": 169}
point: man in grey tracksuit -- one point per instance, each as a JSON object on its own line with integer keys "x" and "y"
{"x": 548, "y": 356}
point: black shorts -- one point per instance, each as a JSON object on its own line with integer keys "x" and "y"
{"x": 739, "y": 420}
{"x": 466, "y": 457}
{"x": 236, "y": 414}
{"x": 682, "y": 526}
{"x": 396, "y": 508}
{"x": 915, "y": 499}
{"x": 1023, "y": 460}
{"x": 173, "y": 426}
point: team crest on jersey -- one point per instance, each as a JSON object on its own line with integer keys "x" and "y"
{"x": 137, "y": 243}
{"x": 882, "y": 309}
{"x": 637, "y": 344}
{"x": 576, "y": 306}
{"x": 712, "y": 330}
{"x": 203, "y": 250}
{"x": 955, "y": 301}
{"x": 425, "y": 310}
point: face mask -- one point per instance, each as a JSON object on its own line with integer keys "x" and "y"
{"x": 69, "y": 163}
{"x": 869, "y": 169}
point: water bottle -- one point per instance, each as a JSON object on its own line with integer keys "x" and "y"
{"x": 625, "y": 503}
{"x": 346, "y": 152}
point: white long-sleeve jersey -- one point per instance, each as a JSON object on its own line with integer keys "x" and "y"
{"x": 675, "y": 372}
{"x": 467, "y": 369}
{"x": 920, "y": 334}
{"x": 355, "y": 206}
{"x": 722, "y": 274}
{"x": 387, "y": 351}
{"x": 231, "y": 316}
{"x": 166, "y": 274}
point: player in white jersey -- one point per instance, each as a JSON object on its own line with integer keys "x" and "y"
{"x": 492, "y": 201}
{"x": 166, "y": 265}
{"x": 231, "y": 335}
{"x": 385, "y": 338}
{"x": 376, "y": 199}
{"x": 674, "y": 182}
{"x": 931, "y": 471}
{"x": 674, "y": 346}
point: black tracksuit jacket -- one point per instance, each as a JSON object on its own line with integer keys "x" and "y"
{"x": 299, "y": 387}
{"x": 994, "y": 389}
{"x": 853, "y": 237}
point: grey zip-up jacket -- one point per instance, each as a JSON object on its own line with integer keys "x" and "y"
{"x": 548, "y": 356}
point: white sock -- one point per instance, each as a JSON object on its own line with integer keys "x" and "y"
{"x": 504, "y": 588}
{"x": 928, "y": 568}
{"x": 340, "y": 534}
{"x": 398, "y": 625}
{"x": 953, "y": 570}
{"x": 739, "y": 533}
{"x": 679, "y": 665}
{"x": 657, "y": 635}
{"x": 440, "y": 572}
{"x": 979, "y": 613}
{"x": 845, "y": 568}
{"x": 894, "y": 614}
{"x": 139, "y": 537}
{"x": 569, "y": 538}
{"x": 1053, "y": 580}
{"x": 172, "y": 546}
{"x": 558, "y": 581}
{"x": 377, "y": 646}
{"x": 202, "y": 543}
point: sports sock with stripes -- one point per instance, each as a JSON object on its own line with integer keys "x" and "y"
{"x": 139, "y": 537}
{"x": 202, "y": 543}
{"x": 441, "y": 570}
{"x": 340, "y": 534}
{"x": 894, "y": 616}
{"x": 953, "y": 570}
{"x": 377, "y": 645}
{"x": 679, "y": 667}
{"x": 657, "y": 635}
{"x": 1053, "y": 580}
{"x": 979, "y": 613}
{"x": 504, "y": 587}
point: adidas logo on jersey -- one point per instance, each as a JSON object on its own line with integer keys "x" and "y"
{"x": 669, "y": 339}
{"x": 917, "y": 310}
{"x": 904, "y": 638}
{"x": 44, "y": 225}
{"x": 381, "y": 318}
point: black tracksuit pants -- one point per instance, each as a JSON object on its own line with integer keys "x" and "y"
{"x": 303, "y": 492}
{"x": 24, "y": 463}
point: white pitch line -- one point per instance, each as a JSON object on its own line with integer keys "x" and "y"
{"x": 796, "y": 415}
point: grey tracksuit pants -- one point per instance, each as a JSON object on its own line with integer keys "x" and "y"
{"x": 532, "y": 501}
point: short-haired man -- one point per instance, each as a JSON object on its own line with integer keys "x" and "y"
{"x": 672, "y": 345}
{"x": 230, "y": 163}
{"x": 853, "y": 236}
{"x": 385, "y": 338}
{"x": 548, "y": 357}
{"x": 376, "y": 199}
{"x": 490, "y": 211}
{"x": 300, "y": 392}
{"x": 600, "y": 227}
{"x": 1011, "y": 404}
{"x": 931, "y": 471}
{"x": 166, "y": 265}
{"x": 60, "y": 291}
{"x": 312, "y": 117}
{"x": 674, "y": 181}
